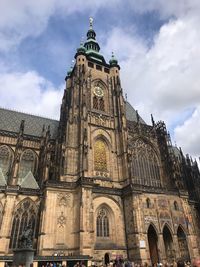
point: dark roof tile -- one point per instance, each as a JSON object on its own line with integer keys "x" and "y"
{"x": 10, "y": 121}
{"x": 131, "y": 114}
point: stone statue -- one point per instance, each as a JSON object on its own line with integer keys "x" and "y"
{"x": 26, "y": 239}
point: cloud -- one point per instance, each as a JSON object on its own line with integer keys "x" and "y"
{"x": 22, "y": 19}
{"x": 166, "y": 9}
{"x": 31, "y": 93}
{"x": 164, "y": 79}
{"x": 188, "y": 134}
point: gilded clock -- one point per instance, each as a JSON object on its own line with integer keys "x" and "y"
{"x": 98, "y": 91}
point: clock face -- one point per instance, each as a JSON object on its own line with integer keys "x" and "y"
{"x": 98, "y": 91}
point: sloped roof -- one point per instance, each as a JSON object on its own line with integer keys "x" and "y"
{"x": 10, "y": 121}
{"x": 2, "y": 179}
{"x": 29, "y": 182}
{"x": 131, "y": 114}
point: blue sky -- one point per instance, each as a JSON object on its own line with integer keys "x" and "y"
{"x": 156, "y": 43}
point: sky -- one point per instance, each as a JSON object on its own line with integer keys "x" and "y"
{"x": 156, "y": 42}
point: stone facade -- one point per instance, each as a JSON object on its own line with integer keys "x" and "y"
{"x": 99, "y": 183}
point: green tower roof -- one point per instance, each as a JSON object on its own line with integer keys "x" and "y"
{"x": 81, "y": 49}
{"x": 113, "y": 61}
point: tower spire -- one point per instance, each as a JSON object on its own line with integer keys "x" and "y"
{"x": 91, "y": 43}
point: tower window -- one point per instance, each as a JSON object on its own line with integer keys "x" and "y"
{"x": 100, "y": 162}
{"x": 148, "y": 203}
{"x": 106, "y": 70}
{"x": 98, "y": 103}
{"x": 176, "y": 205}
{"x": 90, "y": 64}
{"x": 98, "y": 67}
{"x": 101, "y": 104}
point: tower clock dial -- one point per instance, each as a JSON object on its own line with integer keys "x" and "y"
{"x": 98, "y": 91}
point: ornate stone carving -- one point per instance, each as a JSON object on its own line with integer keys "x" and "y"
{"x": 64, "y": 199}
{"x": 162, "y": 203}
{"x": 61, "y": 220}
{"x": 165, "y": 218}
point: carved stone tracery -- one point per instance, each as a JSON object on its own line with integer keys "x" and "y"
{"x": 64, "y": 199}
{"x": 25, "y": 216}
{"x": 145, "y": 166}
{"x": 61, "y": 220}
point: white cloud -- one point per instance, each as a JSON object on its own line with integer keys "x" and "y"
{"x": 164, "y": 79}
{"x": 166, "y": 8}
{"x": 22, "y": 19}
{"x": 31, "y": 93}
{"x": 188, "y": 134}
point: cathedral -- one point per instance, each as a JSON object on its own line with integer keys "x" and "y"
{"x": 99, "y": 184}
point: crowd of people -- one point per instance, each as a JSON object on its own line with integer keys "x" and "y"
{"x": 122, "y": 263}
{"x": 179, "y": 263}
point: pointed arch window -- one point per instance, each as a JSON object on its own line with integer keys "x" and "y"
{"x": 6, "y": 158}
{"x": 102, "y": 223}
{"x": 24, "y": 216}
{"x": 148, "y": 203}
{"x": 145, "y": 166}
{"x": 27, "y": 163}
{"x": 100, "y": 161}
{"x": 176, "y": 207}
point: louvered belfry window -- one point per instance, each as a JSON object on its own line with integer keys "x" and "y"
{"x": 98, "y": 103}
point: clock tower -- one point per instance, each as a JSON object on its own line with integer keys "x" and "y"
{"x": 92, "y": 136}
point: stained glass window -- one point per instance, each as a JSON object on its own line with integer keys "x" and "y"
{"x": 6, "y": 157}
{"x": 145, "y": 167}
{"x": 102, "y": 223}
{"x": 25, "y": 215}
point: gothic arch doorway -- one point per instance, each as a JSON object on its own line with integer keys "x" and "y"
{"x": 106, "y": 259}
{"x": 183, "y": 246}
{"x": 153, "y": 244}
{"x": 168, "y": 242}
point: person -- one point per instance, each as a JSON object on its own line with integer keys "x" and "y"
{"x": 180, "y": 263}
{"x": 196, "y": 262}
{"x": 77, "y": 264}
{"x": 174, "y": 263}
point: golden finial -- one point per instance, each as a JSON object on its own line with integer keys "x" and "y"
{"x": 91, "y": 22}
